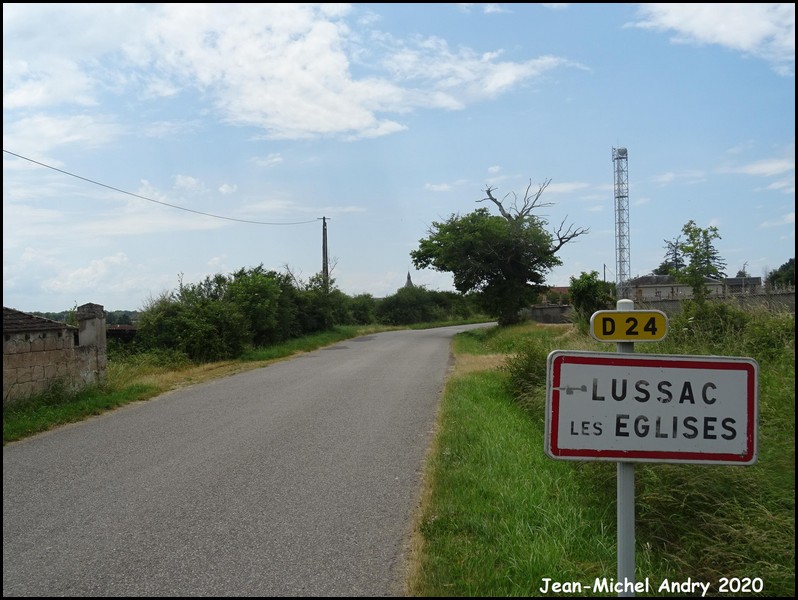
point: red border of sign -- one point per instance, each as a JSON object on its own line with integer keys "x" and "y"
{"x": 662, "y": 361}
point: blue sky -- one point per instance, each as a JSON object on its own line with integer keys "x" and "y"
{"x": 384, "y": 118}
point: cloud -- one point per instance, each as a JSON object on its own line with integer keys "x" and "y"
{"x": 227, "y": 188}
{"x": 788, "y": 219}
{"x": 689, "y": 177}
{"x": 451, "y": 79}
{"x": 189, "y": 184}
{"x": 91, "y": 276}
{"x": 492, "y": 8}
{"x": 35, "y": 136}
{"x": 268, "y": 161}
{"x": 768, "y": 167}
{"x": 784, "y": 168}
{"x": 283, "y": 68}
{"x": 565, "y": 188}
{"x": 438, "y": 187}
{"x": 765, "y": 30}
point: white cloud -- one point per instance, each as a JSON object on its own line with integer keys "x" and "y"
{"x": 283, "y": 68}
{"x": 268, "y": 161}
{"x": 765, "y": 30}
{"x": 771, "y": 167}
{"x": 37, "y": 135}
{"x": 451, "y": 79}
{"x": 217, "y": 264}
{"x": 227, "y": 188}
{"x": 788, "y": 219}
{"x": 91, "y": 276}
{"x": 689, "y": 177}
{"x": 191, "y": 184}
{"x": 492, "y": 8}
{"x": 565, "y": 188}
{"x": 768, "y": 167}
{"x": 438, "y": 187}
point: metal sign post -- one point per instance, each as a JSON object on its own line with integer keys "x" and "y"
{"x": 625, "y": 498}
{"x": 627, "y": 408}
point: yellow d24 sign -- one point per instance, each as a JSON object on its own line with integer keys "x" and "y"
{"x": 629, "y": 326}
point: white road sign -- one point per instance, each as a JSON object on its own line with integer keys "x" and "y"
{"x": 651, "y": 408}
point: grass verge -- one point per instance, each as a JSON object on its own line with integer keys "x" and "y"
{"x": 498, "y": 517}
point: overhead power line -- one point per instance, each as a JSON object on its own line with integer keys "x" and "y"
{"x": 198, "y": 212}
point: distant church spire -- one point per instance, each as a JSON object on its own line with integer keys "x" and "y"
{"x": 409, "y": 282}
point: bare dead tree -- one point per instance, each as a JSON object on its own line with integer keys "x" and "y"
{"x": 531, "y": 202}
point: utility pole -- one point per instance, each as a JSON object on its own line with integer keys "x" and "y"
{"x": 325, "y": 269}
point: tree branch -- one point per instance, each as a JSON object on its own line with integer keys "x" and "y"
{"x": 531, "y": 201}
{"x": 492, "y": 198}
{"x": 563, "y": 237}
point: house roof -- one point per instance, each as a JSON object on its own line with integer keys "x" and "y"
{"x": 653, "y": 280}
{"x": 16, "y": 320}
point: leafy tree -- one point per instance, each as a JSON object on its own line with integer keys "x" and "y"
{"x": 408, "y": 305}
{"x": 363, "y": 309}
{"x": 674, "y": 259}
{"x": 783, "y": 276}
{"x": 743, "y": 272}
{"x": 505, "y": 258}
{"x": 589, "y": 294}
{"x": 256, "y": 293}
{"x": 703, "y": 260}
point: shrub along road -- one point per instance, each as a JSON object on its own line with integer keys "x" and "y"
{"x": 298, "y": 479}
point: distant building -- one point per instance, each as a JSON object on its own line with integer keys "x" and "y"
{"x": 39, "y": 352}
{"x": 409, "y": 282}
{"x": 665, "y": 287}
{"x": 743, "y": 285}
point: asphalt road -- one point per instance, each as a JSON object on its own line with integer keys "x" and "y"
{"x": 298, "y": 479}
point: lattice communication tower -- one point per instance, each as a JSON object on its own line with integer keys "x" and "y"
{"x": 622, "y": 276}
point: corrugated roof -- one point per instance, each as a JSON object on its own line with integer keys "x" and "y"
{"x": 16, "y": 320}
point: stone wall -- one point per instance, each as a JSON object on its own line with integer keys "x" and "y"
{"x": 552, "y": 313}
{"x": 776, "y": 302}
{"x": 36, "y": 359}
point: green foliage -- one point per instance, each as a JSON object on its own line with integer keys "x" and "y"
{"x": 589, "y": 294}
{"x": 702, "y": 323}
{"x": 256, "y": 294}
{"x": 703, "y": 260}
{"x": 409, "y": 305}
{"x": 121, "y": 317}
{"x": 363, "y": 309}
{"x": 504, "y": 258}
{"x": 224, "y": 316}
{"x": 692, "y": 521}
{"x": 553, "y": 297}
{"x": 527, "y": 370}
{"x": 416, "y": 304}
{"x": 784, "y": 276}
{"x": 718, "y": 327}
{"x": 674, "y": 258}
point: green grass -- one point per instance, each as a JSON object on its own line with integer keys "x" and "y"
{"x": 499, "y": 515}
{"x": 502, "y": 516}
{"x": 58, "y": 406}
